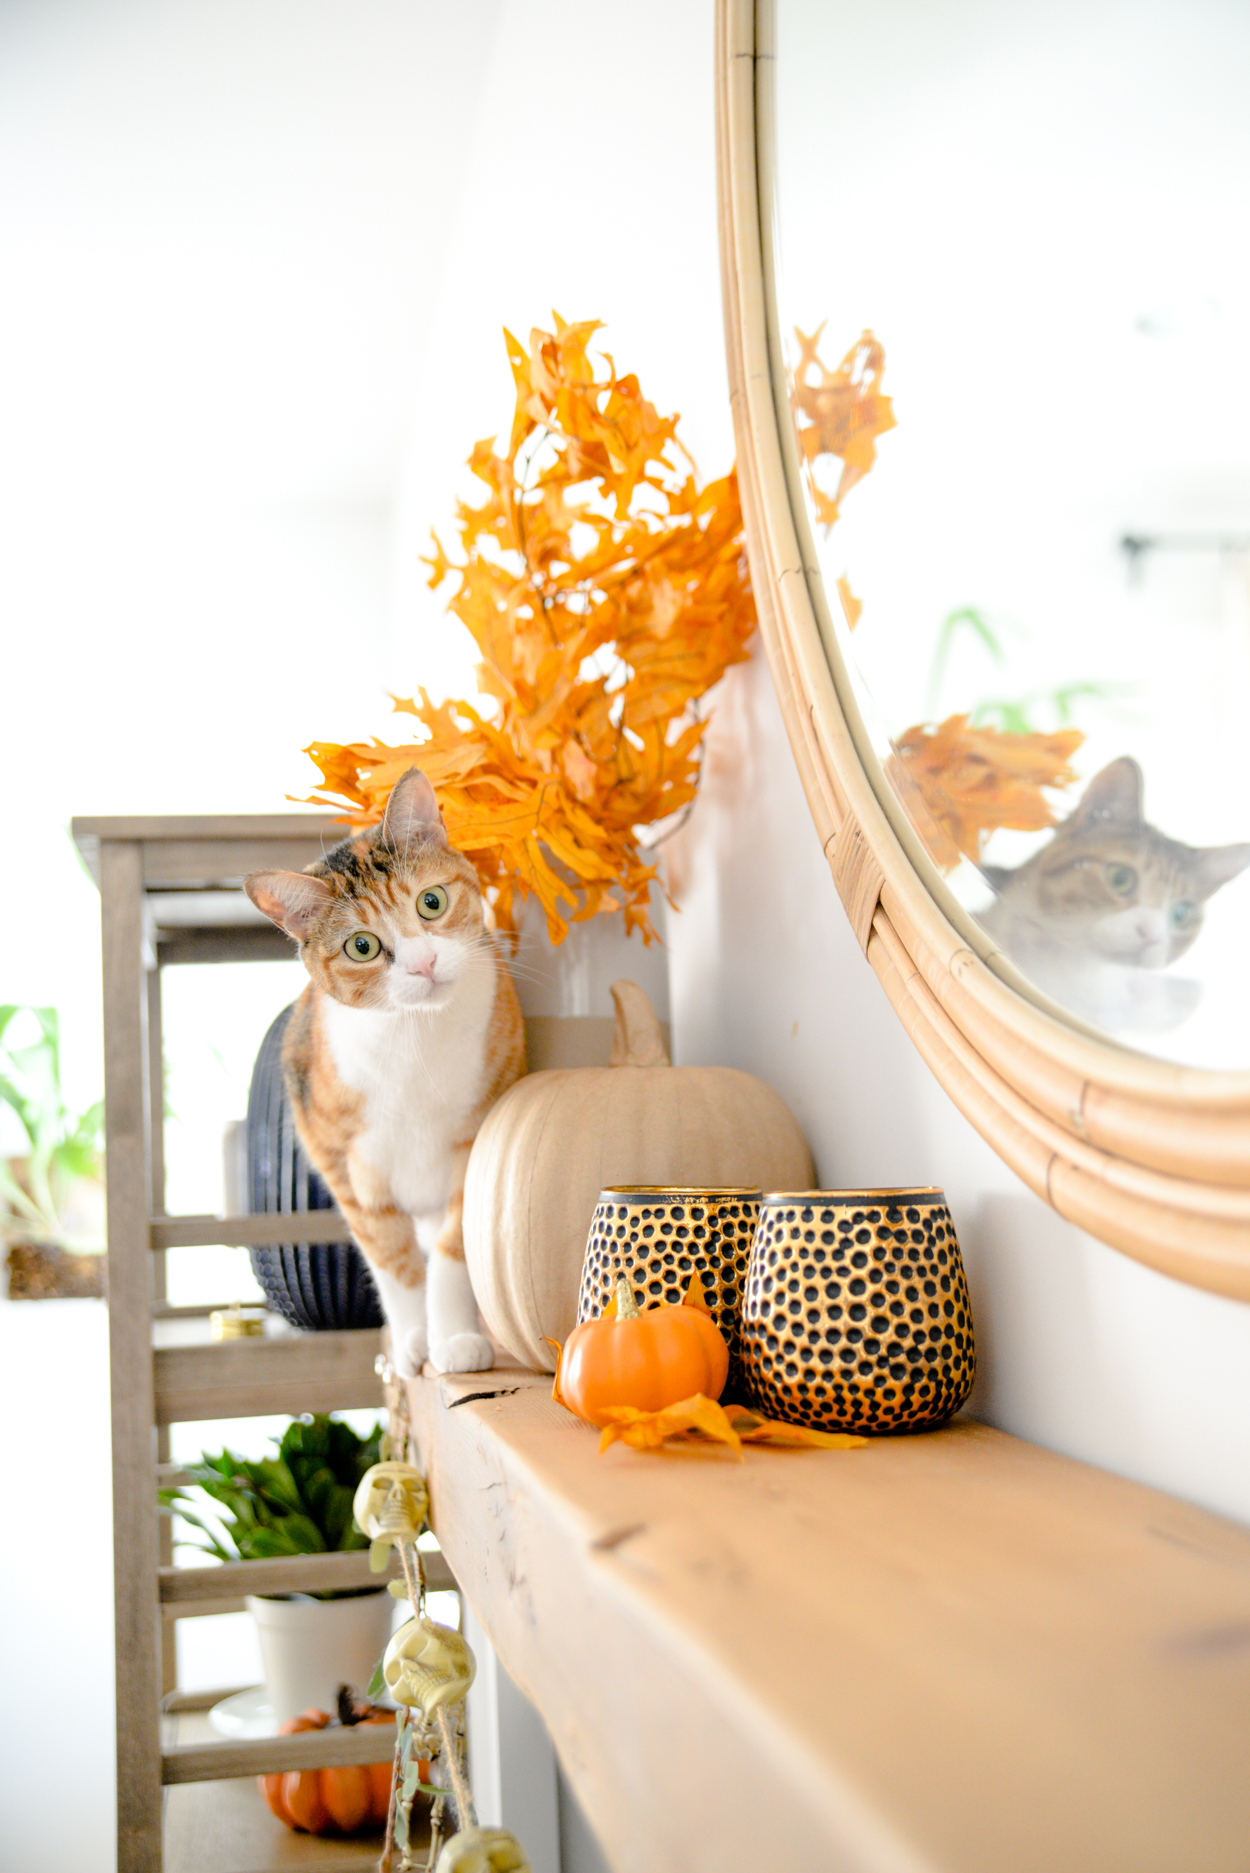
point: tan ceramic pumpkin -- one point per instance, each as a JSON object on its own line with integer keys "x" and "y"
{"x": 556, "y": 1139}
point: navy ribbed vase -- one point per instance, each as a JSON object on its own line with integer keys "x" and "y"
{"x": 317, "y": 1286}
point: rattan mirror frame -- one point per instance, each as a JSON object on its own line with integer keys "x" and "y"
{"x": 1151, "y": 1157}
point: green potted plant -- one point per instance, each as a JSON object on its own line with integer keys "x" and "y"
{"x": 52, "y": 1194}
{"x": 296, "y": 1502}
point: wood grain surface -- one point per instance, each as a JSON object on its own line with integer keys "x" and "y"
{"x": 292, "y": 1573}
{"x": 135, "y": 1543}
{"x": 252, "y": 1378}
{"x": 225, "y": 1826}
{"x": 953, "y": 1651}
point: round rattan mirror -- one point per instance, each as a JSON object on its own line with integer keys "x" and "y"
{"x": 1030, "y": 800}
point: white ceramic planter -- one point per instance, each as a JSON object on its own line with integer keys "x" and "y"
{"x": 310, "y": 1647}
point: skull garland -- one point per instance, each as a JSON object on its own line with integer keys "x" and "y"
{"x": 483, "y": 1850}
{"x": 390, "y": 1505}
{"x": 427, "y": 1665}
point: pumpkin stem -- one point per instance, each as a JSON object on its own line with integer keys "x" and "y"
{"x": 696, "y": 1294}
{"x": 626, "y": 1306}
{"x": 636, "y": 1038}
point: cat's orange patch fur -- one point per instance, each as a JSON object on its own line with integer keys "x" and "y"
{"x": 470, "y": 1029}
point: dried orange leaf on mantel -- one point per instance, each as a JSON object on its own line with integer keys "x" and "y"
{"x": 701, "y": 1417}
{"x": 752, "y": 1429}
{"x": 647, "y": 1430}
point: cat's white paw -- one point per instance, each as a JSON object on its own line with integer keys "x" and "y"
{"x": 463, "y": 1352}
{"x": 410, "y": 1352}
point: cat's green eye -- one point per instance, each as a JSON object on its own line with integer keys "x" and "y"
{"x": 1182, "y": 915}
{"x": 362, "y": 946}
{"x": 431, "y": 902}
{"x": 1122, "y": 879}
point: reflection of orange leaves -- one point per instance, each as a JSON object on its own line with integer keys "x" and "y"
{"x": 959, "y": 783}
{"x": 851, "y": 606}
{"x": 606, "y": 592}
{"x": 701, "y": 1421}
{"x": 839, "y": 413}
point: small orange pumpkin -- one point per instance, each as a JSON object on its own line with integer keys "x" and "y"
{"x": 324, "y": 1801}
{"x": 649, "y": 1357}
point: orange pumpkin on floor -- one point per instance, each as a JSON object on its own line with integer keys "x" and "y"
{"x": 325, "y": 1801}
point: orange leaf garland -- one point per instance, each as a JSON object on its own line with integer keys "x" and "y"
{"x": 606, "y": 592}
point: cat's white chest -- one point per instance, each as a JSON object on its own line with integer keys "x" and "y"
{"x": 422, "y": 1078}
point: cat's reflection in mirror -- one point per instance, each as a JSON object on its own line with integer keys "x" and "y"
{"x": 1105, "y": 904}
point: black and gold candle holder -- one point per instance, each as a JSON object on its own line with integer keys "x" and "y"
{"x": 657, "y": 1238}
{"x": 856, "y": 1314}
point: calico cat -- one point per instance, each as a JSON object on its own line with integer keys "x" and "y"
{"x": 406, "y": 1035}
{"x": 1107, "y": 899}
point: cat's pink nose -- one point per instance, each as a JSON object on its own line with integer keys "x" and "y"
{"x": 424, "y": 968}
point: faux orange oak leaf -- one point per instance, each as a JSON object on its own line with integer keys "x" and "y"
{"x": 702, "y": 1419}
{"x": 960, "y": 783}
{"x": 606, "y": 591}
{"x": 839, "y": 413}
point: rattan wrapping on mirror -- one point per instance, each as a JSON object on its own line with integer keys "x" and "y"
{"x": 1152, "y": 1157}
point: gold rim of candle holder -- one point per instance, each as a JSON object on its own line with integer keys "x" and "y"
{"x": 825, "y": 1199}
{"x": 696, "y": 1192}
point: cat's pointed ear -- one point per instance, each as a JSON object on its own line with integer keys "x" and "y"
{"x": 412, "y": 811}
{"x": 1113, "y": 797}
{"x": 996, "y": 876}
{"x": 292, "y": 899}
{"x": 1217, "y": 864}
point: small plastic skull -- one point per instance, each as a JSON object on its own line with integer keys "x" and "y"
{"x": 426, "y": 1665}
{"x": 483, "y": 1850}
{"x": 391, "y": 1502}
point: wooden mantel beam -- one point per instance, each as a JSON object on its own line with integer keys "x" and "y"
{"x": 953, "y": 1651}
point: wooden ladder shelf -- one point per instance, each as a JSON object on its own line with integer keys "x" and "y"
{"x": 171, "y": 892}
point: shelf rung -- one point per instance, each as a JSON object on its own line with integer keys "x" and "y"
{"x": 296, "y": 1573}
{"x": 176, "y": 1703}
{"x": 273, "y": 1755}
{"x": 201, "y": 1609}
{"x": 266, "y": 1377}
{"x": 247, "y": 1232}
{"x": 199, "y": 1310}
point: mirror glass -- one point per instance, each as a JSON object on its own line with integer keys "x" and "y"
{"x": 1012, "y": 302}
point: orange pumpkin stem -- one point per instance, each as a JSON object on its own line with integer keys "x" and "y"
{"x": 626, "y": 1306}
{"x": 556, "y": 1393}
{"x": 696, "y": 1294}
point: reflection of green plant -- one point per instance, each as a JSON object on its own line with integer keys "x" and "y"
{"x": 965, "y": 617}
{"x": 299, "y": 1502}
{"x": 62, "y": 1146}
{"x": 1017, "y": 717}
{"x": 1013, "y": 716}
